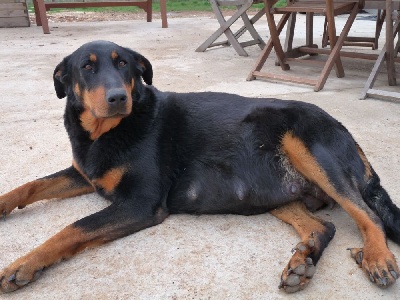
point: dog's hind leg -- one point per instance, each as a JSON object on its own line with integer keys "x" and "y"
{"x": 328, "y": 173}
{"x": 377, "y": 199}
{"x": 115, "y": 221}
{"x": 63, "y": 184}
{"x": 315, "y": 236}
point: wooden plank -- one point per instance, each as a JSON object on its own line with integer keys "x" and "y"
{"x": 14, "y": 22}
{"x": 49, "y": 5}
{"x": 360, "y": 55}
{"x": 384, "y": 94}
{"x": 12, "y": 13}
{"x": 11, "y": 1}
{"x": 288, "y": 78}
{"x": 4, "y": 6}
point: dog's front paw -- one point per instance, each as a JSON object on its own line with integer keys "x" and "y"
{"x": 8, "y": 203}
{"x": 380, "y": 266}
{"x": 300, "y": 269}
{"x": 18, "y": 274}
{"x": 5, "y": 207}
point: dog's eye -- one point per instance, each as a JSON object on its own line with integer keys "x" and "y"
{"x": 88, "y": 67}
{"x": 122, "y": 63}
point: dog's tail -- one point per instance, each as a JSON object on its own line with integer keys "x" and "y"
{"x": 376, "y": 197}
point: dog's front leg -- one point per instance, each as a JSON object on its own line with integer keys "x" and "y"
{"x": 63, "y": 184}
{"x": 115, "y": 221}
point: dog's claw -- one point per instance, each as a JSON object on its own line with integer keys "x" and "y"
{"x": 11, "y": 278}
{"x": 21, "y": 282}
{"x": 357, "y": 254}
{"x": 394, "y": 274}
{"x": 37, "y": 274}
{"x": 371, "y": 278}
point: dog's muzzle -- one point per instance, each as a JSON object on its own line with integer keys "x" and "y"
{"x": 117, "y": 101}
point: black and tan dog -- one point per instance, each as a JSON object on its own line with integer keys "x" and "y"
{"x": 152, "y": 154}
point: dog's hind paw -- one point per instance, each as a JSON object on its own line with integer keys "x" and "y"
{"x": 300, "y": 269}
{"x": 381, "y": 270}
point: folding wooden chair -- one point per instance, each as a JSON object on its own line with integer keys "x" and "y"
{"x": 232, "y": 38}
{"x": 328, "y": 8}
{"x": 388, "y": 53}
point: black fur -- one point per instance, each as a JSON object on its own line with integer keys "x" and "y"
{"x": 211, "y": 152}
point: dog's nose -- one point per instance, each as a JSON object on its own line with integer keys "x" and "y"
{"x": 116, "y": 96}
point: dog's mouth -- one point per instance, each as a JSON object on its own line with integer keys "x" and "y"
{"x": 110, "y": 114}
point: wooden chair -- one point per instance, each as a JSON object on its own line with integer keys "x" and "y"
{"x": 232, "y": 38}
{"x": 388, "y": 53}
{"x": 371, "y": 41}
{"x": 363, "y": 41}
{"x": 41, "y": 6}
{"x": 328, "y": 8}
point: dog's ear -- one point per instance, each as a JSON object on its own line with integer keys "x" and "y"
{"x": 144, "y": 66}
{"x": 59, "y": 77}
{"x": 147, "y": 74}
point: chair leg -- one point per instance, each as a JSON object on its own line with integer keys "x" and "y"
{"x": 378, "y": 26}
{"x": 391, "y": 71}
{"x": 378, "y": 65}
{"x": 41, "y": 16}
{"x": 309, "y": 29}
{"x": 37, "y": 14}
{"x": 225, "y": 28}
{"x": 163, "y": 8}
{"x": 149, "y": 10}
{"x": 374, "y": 73}
{"x": 291, "y": 23}
{"x": 275, "y": 37}
{"x": 330, "y": 17}
{"x": 335, "y": 52}
{"x": 267, "y": 49}
{"x": 248, "y": 26}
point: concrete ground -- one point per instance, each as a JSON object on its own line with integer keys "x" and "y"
{"x": 186, "y": 257}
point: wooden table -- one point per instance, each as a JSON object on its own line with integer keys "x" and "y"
{"x": 41, "y": 7}
{"x": 329, "y": 8}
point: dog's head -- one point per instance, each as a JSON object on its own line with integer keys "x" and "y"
{"x": 102, "y": 78}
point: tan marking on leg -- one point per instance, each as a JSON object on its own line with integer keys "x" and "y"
{"x": 110, "y": 179}
{"x": 306, "y": 164}
{"x": 48, "y": 188}
{"x": 78, "y": 168}
{"x": 63, "y": 245}
{"x": 297, "y": 215}
{"x": 368, "y": 171}
{"x": 376, "y": 252}
{"x": 301, "y": 268}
